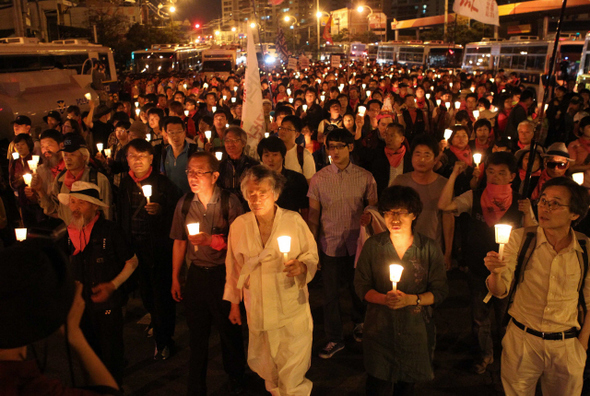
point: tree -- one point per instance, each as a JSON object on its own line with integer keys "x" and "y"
{"x": 460, "y": 32}
{"x": 366, "y": 37}
{"x": 342, "y": 36}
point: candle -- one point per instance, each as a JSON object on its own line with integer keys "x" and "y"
{"x": 472, "y": 89}
{"x": 492, "y": 80}
{"x": 438, "y": 102}
{"x": 448, "y": 105}
{"x": 21, "y": 234}
{"x": 368, "y": 94}
{"x": 205, "y": 85}
{"x": 236, "y": 88}
{"x": 15, "y": 156}
{"x": 457, "y": 105}
{"x": 107, "y": 153}
{"x": 362, "y": 110}
{"x": 289, "y": 91}
{"x": 502, "y": 236}
{"x": 266, "y": 134}
{"x": 330, "y": 158}
{"x": 136, "y": 104}
{"x": 395, "y": 274}
{"x": 448, "y": 133}
{"x": 88, "y": 96}
{"x": 28, "y": 177}
{"x": 137, "y": 111}
{"x": 193, "y": 229}
{"x": 428, "y": 96}
{"x": 322, "y": 97}
{"x": 290, "y": 100}
{"x": 304, "y": 107}
{"x": 224, "y": 97}
{"x": 451, "y": 85}
{"x": 99, "y": 146}
{"x": 476, "y": 114}
{"x": 341, "y": 87}
{"x": 186, "y": 113}
{"x": 364, "y": 86}
{"x": 218, "y": 155}
{"x": 578, "y": 177}
{"x": 284, "y": 246}
{"x": 208, "y": 134}
{"x": 36, "y": 158}
{"x": 148, "y": 136}
{"x": 147, "y": 191}
{"x": 214, "y": 109}
{"x": 477, "y": 158}
{"x": 233, "y": 100}
{"x": 32, "y": 165}
{"x": 546, "y": 106}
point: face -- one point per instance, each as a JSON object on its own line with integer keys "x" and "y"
{"x": 233, "y": 145}
{"x": 82, "y": 211}
{"x": 348, "y": 121}
{"x": 559, "y": 215}
{"x": 274, "y": 160}
{"x": 499, "y": 174}
{"x": 309, "y": 98}
{"x": 200, "y": 177}
{"x": 210, "y": 100}
{"x": 508, "y": 104}
{"x": 343, "y": 102}
{"x": 354, "y": 94}
{"x": 162, "y": 102}
{"x": 219, "y": 121}
{"x": 266, "y": 107}
{"x": 74, "y": 161}
{"x": 49, "y": 150}
{"x": 179, "y": 98}
{"x": 189, "y": 106}
{"x": 399, "y": 221}
{"x": 482, "y": 133}
{"x": 52, "y": 122}
{"x": 260, "y": 196}
{"x": 382, "y": 124}
{"x": 288, "y": 133}
{"x": 334, "y": 111}
{"x": 176, "y": 134}
{"x": 556, "y": 166}
{"x": 154, "y": 121}
{"x": 22, "y": 148}
{"x": 18, "y": 129}
{"x": 339, "y": 152}
{"x": 525, "y": 134}
{"x": 525, "y": 162}
{"x": 410, "y": 102}
{"x": 373, "y": 110}
{"x": 393, "y": 139}
{"x": 423, "y": 159}
{"x": 460, "y": 140}
{"x": 122, "y": 134}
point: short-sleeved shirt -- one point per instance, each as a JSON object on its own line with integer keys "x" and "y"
{"x": 210, "y": 220}
{"x": 292, "y": 162}
{"x": 343, "y": 195}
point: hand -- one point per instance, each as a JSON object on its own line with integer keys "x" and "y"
{"x": 235, "y": 316}
{"x": 100, "y": 158}
{"x": 476, "y": 172}
{"x": 153, "y": 208}
{"x": 202, "y": 239}
{"x": 493, "y": 263}
{"x": 102, "y": 292}
{"x": 396, "y": 299}
{"x": 37, "y": 183}
{"x": 295, "y": 267}
{"x": 208, "y": 146}
{"x": 274, "y": 127}
{"x": 366, "y": 219}
{"x": 30, "y": 193}
{"x": 443, "y": 145}
{"x": 583, "y": 340}
{"x": 524, "y": 205}
{"x": 175, "y": 290}
{"x": 459, "y": 167}
{"x": 448, "y": 262}
{"x": 76, "y": 311}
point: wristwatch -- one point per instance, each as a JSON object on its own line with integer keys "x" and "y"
{"x": 418, "y": 300}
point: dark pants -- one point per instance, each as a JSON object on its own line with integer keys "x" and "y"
{"x": 379, "y": 387}
{"x": 337, "y": 271}
{"x": 155, "y": 280}
{"x": 203, "y": 298}
{"x": 103, "y": 330}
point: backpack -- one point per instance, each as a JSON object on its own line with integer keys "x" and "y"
{"x": 224, "y": 196}
{"x": 524, "y": 254}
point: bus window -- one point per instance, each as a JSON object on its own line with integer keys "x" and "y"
{"x": 217, "y": 66}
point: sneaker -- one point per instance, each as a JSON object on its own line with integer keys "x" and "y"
{"x": 330, "y": 349}
{"x": 357, "y": 333}
{"x": 482, "y": 366}
{"x": 162, "y": 354}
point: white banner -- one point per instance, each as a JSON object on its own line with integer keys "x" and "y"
{"x": 252, "y": 113}
{"x": 484, "y": 11}
{"x": 304, "y": 62}
{"x": 335, "y": 61}
{"x": 292, "y": 63}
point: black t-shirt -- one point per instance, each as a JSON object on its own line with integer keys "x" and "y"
{"x": 294, "y": 195}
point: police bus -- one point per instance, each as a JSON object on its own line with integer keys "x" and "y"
{"x": 36, "y": 77}
{"x": 417, "y": 53}
{"x": 168, "y": 58}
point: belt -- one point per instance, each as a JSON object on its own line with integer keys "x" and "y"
{"x": 562, "y": 335}
{"x": 208, "y": 268}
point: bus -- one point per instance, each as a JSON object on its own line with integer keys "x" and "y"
{"x": 340, "y": 49}
{"x": 372, "y": 50}
{"x": 417, "y": 53}
{"x": 219, "y": 62}
{"x": 168, "y": 58}
{"x": 36, "y": 78}
{"x": 527, "y": 56}
{"x": 584, "y": 70}
{"x": 358, "y": 50}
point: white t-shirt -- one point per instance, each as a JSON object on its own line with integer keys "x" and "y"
{"x": 292, "y": 163}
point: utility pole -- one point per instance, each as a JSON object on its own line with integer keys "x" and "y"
{"x": 19, "y": 28}
{"x": 445, "y": 37}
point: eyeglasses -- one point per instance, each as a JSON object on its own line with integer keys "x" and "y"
{"x": 137, "y": 157}
{"x": 191, "y": 173}
{"x": 337, "y": 146}
{"x": 551, "y": 205}
{"x": 287, "y": 129}
{"x": 558, "y": 165}
{"x": 232, "y": 141}
{"x": 396, "y": 213}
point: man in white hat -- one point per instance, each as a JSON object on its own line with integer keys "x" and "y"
{"x": 102, "y": 261}
{"x": 557, "y": 161}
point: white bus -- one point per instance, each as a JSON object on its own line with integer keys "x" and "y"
{"x": 36, "y": 78}
{"x": 168, "y": 58}
{"x": 417, "y": 53}
{"x": 358, "y": 50}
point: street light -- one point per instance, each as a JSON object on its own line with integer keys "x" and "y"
{"x": 172, "y": 9}
{"x": 362, "y": 8}
{"x": 253, "y": 25}
{"x": 319, "y": 15}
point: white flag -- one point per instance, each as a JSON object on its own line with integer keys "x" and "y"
{"x": 485, "y": 11}
{"x": 252, "y": 112}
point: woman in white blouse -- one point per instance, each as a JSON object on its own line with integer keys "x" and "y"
{"x": 273, "y": 284}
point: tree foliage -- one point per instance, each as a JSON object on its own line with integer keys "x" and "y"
{"x": 460, "y": 32}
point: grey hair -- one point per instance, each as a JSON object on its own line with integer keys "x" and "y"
{"x": 238, "y": 131}
{"x": 528, "y": 123}
{"x": 86, "y": 154}
{"x": 258, "y": 174}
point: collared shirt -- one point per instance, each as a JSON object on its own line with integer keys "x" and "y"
{"x": 231, "y": 171}
{"x": 343, "y": 195}
{"x": 292, "y": 162}
{"x": 547, "y": 298}
{"x": 210, "y": 220}
{"x": 174, "y": 167}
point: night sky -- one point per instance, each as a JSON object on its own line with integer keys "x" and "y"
{"x": 201, "y": 11}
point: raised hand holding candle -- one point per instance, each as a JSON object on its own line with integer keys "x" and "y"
{"x": 284, "y": 246}
{"x": 304, "y": 107}
{"x": 36, "y": 158}
{"x": 477, "y": 158}
{"x": 137, "y": 111}
{"x": 448, "y": 105}
{"x": 502, "y": 236}
{"x": 395, "y": 274}
{"x": 448, "y": 134}
{"x": 21, "y": 234}
{"x": 578, "y": 177}
{"x": 147, "y": 192}
{"x": 362, "y": 110}
{"x": 88, "y": 96}
{"x": 107, "y": 153}
{"x": 208, "y": 135}
{"x": 99, "y": 146}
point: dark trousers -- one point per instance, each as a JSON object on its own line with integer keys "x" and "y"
{"x": 155, "y": 280}
{"x": 337, "y": 271}
{"x": 203, "y": 299}
{"x": 379, "y": 387}
{"x": 103, "y": 330}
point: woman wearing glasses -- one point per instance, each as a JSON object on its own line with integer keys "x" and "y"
{"x": 399, "y": 334}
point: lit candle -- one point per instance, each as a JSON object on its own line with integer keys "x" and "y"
{"x": 476, "y": 114}
{"x": 233, "y": 100}
{"x": 213, "y": 109}
{"x": 477, "y": 158}
{"x": 36, "y": 158}
{"x": 15, "y": 156}
{"x": 290, "y": 100}
{"x": 448, "y": 133}
{"x": 21, "y": 234}
{"x": 457, "y": 105}
{"x": 137, "y": 111}
{"x": 451, "y": 85}
{"x": 330, "y": 158}
{"x": 88, "y": 96}
{"x": 438, "y": 102}
{"x": 205, "y": 85}
{"x": 362, "y": 110}
{"x": 304, "y": 107}
{"x": 186, "y": 113}
{"x": 364, "y": 86}
{"x": 395, "y": 274}
{"x": 578, "y": 177}
{"x": 136, "y": 104}
{"x": 492, "y": 80}
{"x": 147, "y": 191}
{"x": 236, "y": 88}
{"x": 341, "y": 87}
{"x": 28, "y": 177}
{"x": 546, "y": 106}
{"x": 266, "y": 134}
{"x": 148, "y": 136}
{"x": 208, "y": 135}
{"x": 472, "y": 89}
{"x": 218, "y": 155}
{"x": 107, "y": 153}
{"x": 448, "y": 105}
{"x": 99, "y": 146}
{"x": 502, "y": 236}
{"x": 368, "y": 94}
{"x": 428, "y": 96}
{"x": 322, "y": 97}
{"x": 224, "y": 97}
{"x": 289, "y": 91}
{"x": 32, "y": 165}
{"x": 284, "y": 246}
{"x": 193, "y": 229}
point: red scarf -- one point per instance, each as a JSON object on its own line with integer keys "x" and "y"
{"x": 463, "y": 155}
{"x": 521, "y": 145}
{"x": 495, "y": 201}
{"x": 61, "y": 166}
{"x": 542, "y": 179}
{"x": 420, "y": 103}
{"x": 395, "y": 157}
{"x": 481, "y": 148}
{"x": 584, "y": 143}
{"x": 522, "y": 174}
{"x": 136, "y": 180}
{"x": 70, "y": 178}
{"x": 80, "y": 238}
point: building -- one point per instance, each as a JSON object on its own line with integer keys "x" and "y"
{"x": 411, "y": 9}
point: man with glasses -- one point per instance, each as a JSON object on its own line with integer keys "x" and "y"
{"x": 545, "y": 339}
{"x": 146, "y": 223}
{"x": 338, "y": 195}
{"x": 557, "y": 161}
{"x": 175, "y": 156}
{"x": 297, "y": 158}
{"x": 214, "y": 210}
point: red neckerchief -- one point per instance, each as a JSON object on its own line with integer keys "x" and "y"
{"x": 463, "y": 155}
{"x": 481, "y": 147}
{"x": 542, "y": 179}
{"x": 395, "y": 157}
{"x": 522, "y": 174}
{"x": 521, "y": 145}
{"x": 80, "y": 238}
{"x": 421, "y": 103}
{"x": 584, "y": 143}
{"x": 56, "y": 170}
{"x": 70, "y": 178}
{"x": 136, "y": 180}
{"x": 495, "y": 201}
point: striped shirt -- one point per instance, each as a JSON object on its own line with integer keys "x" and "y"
{"x": 343, "y": 195}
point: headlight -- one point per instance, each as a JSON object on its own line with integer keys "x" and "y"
{"x": 270, "y": 59}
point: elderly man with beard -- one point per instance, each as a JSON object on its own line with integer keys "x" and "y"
{"x": 75, "y": 157}
{"x": 102, "y": 261}
{"x": 53, "y": 163}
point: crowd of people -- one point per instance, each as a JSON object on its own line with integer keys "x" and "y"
{"x": 362, "y": 167}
